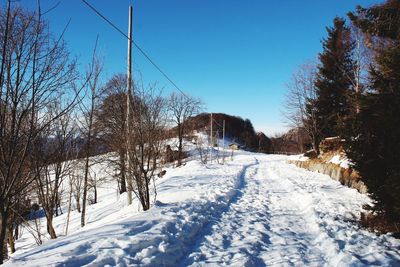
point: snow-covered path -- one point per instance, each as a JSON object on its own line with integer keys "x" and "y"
{"x": 241, "y": 233}
{"x": 286, "y": 216}
{"x": 256, "y": 210}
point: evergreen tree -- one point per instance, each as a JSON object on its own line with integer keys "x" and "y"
{"x": 334, "y": 79}
{"x": 375, "y": 150}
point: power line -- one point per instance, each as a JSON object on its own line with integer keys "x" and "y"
{"x": 135, "y": 44}
{"x": 217, "y": 123}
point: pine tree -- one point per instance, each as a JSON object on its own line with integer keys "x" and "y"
{"x": 375, "y": 150}
{"x": 334, "y": 79}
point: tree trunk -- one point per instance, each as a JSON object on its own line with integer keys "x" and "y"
{"x": 180, "y": 137}
{"x": 16, "y": 231}
{"x": 3, "y": 230}
{"x": 50, "y": 227}
{"x": 123, "y": 172}
{"x": 316, "y": 146}
{"x": 85, "y": 185}
{"x": 4, "y": 253}
{"x": 57, "y": 200}
{"x": 58, "y": 207}
{"x": 69, "y": 209}
{"x": 88, "y": 148}
{"x": 146, "y": 205}
{"x": 10, "y": 239}
{"x": 84, "y": 197}
{"x": 95, "y": 194}
{"x": 78, "y": 204}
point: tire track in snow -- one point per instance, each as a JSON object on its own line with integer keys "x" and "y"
{"x": 239, "y": 236}
{"x": 266, "y": 226}
{"x": 214, "y": 222}
{"x": 194, "y": 220}
{"x": 293, "y": 227}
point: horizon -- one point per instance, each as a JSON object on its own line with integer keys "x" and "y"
{"x": 236, "y": 57}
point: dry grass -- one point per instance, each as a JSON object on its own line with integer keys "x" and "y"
{"x": 380, "y": 223}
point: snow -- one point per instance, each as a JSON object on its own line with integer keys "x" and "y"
{"x": 300, "y": 157}
{"x": 335, "y": 159}
{"x": 255, "y": 210}
{"x": 342, "y": 162}
{"x": 332, "y": 138}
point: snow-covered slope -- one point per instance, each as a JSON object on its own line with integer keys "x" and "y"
{"x": 256, "y": 210}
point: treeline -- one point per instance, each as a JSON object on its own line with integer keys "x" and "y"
{"x": 237, "y": 130}
{"x": 353, "y": 91}
{"x": 241, "y": 131}
{"x": 54, "y": 118}
{"x": 294, "y": 141}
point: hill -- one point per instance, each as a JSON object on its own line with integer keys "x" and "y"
{"x": 237, "y": 130}
{"x": 293, "y": 141}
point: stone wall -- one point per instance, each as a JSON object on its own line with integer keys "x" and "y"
{"x": 347, "y": 177}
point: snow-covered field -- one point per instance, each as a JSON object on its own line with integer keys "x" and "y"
{"x": 256, "y": 210}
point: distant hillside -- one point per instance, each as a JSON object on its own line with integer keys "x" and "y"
{"x": 294, "y": 141}
{"x": 241, "y": 131}
{"x": 237, "y": 129}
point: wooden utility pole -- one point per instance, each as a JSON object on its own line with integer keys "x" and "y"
{"x": 216, "y": 136}
{"x": 211, "y": 137}
{"x": 223, "y": 142}
{"x": 128, "y": 94}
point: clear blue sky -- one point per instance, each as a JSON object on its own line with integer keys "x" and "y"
{"x": 235, "y": 55}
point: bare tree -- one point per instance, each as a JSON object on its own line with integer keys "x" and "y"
{"x": 35, "y": 70}
{"x": 88, "y": 108}
{"x": 362, "y": 58}
{"x": 52, "y": 163}
{"x": 71, "y": 183}
{"x": 202, "y": 148}
{"x": 76, "y": 183}
{"x": 300, "y": 109}
{"x": 182, "y": 107}
{"x": 111, "y": 125}
{"x": 146, "y": 140}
